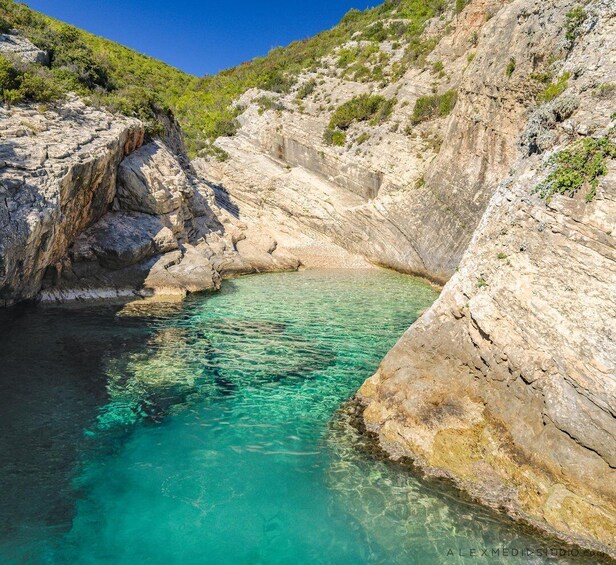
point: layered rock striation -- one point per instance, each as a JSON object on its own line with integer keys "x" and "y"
{"x": 58, "y": 172}
{"x": 507, "y": 385}
{"x": 90, "y": 212}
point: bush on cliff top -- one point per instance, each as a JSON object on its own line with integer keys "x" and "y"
{"x": 5, "y": 27}
{"x": 27, "y": 83}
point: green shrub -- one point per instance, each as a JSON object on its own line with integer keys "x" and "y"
{"x": 278, "y": 82}
{"x": 577, "y": 167}
{"x": 460, "y": 5}
{"x": 31, "y": 83}
{"x": 360, "y": 72}
{"x": 435, "y": 106}
{"x": 438, "y": 67}
{"x": 8, "y": 75}
{"x": 5, "y": 26}
{"x": 334, "y": 137}
{"x": 40, "y": 88}
{"x": 361, "y": 109}
{"x": 545, "y": 77}
{"x": 575, "y": 19}
{"x": 555, "y": 89}
{"x": 266, "y": 103}
{"x": 510, "y": 67}
{"x": 306, "y": 89}
{"x": 605, "y": 90}
{"x": 208, "y": 149}
{"x": 362, "y": 138}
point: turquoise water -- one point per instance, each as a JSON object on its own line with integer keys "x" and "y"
{"x": 215, "y": 432}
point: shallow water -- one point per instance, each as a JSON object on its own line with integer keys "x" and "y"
{"x": 212, "y": 433}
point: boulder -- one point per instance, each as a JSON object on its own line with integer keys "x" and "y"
{"x": 121, "y": 239}
{"x": 16, "y": 46}
{"x": 152, "y": 181}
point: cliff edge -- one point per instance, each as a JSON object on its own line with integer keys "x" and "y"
{"x": 507, "y": 385}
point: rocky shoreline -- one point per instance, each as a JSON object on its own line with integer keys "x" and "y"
{"x": 506, "y": 386}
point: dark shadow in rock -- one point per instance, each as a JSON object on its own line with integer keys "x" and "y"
{"x": 223, "y": 199}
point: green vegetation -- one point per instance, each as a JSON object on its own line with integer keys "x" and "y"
{"x": 363, "y": 62}
{"x": 5, "y": 27}
{"x": 501, "y": 256}
{"x": 99, "y": 70}
{"x": 361, "y": 109}
{"x": 306, "y": 89}
{"x": 545, "y": 77}
{"x": 510, "y": 67}
{"x": 481, "y": 283}
{"x": 365, "y": 108}
{"x": 435, "y": 106}
{"x": 266, "y": 103}
{"x": 362, "y": 138}
{"x": 209, "y": 99}
{"x": 26, "y": 83}
{"x": 605, "y": 90}
{"x": 575, "y": 19}
{"x": 577, "y": 167}
{"x": 555, "y": 89}
{"x": 334, "y": 137}
{"x": 115, "y": 76}
{"x": 460, "y": 5}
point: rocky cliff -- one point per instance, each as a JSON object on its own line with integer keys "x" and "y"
{"x": 57, "y": 176}
{"x": 406, "y": 191}
{"x": 507, "y": 385}
{"x": 480, "y": 150}
{"x": 87, "y": 211}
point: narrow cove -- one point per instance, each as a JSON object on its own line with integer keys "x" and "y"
{"x": 212, "y": 432}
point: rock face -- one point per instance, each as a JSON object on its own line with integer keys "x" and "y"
{"x": 508, "y": 384}
{"x": 88, "y": 212}
{"x": 57, "y": 176}
{"x": 165, "y": 238}
{"x": 401, "y": 194}
{"x": 15, "y": 46}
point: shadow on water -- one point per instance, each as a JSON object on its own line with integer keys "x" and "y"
{"x": 76, "y": 379}
{"x": 166, "y": 433}
{"x": 53, "y": 381}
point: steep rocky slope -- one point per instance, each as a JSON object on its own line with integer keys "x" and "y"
{"x": 508, "y": 384}
{"x": 57, "y": 175}
{"x": 422, "y": 136}
{"x": 88, "y": 211}
{"x": 407, "y": 191}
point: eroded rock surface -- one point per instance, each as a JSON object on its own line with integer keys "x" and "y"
{"x": 164, "y": 238}
{"x": 57, "y": 176}
{"x": 508, "y": 384}
{"x": 400, "y": 194}
{"x": 17, "y": 47}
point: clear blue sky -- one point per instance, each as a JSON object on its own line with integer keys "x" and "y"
{"x": 201, "y": 37}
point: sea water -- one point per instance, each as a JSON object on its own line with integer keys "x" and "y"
{"x": 217, "y": 431}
